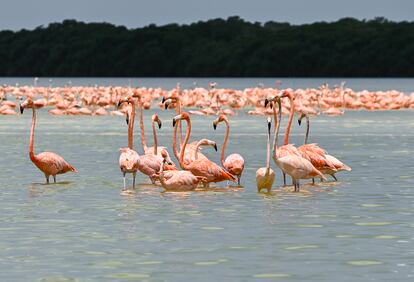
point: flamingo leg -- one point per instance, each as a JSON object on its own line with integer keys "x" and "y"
{"x": 47, "y": 179}
{"x": 238, "y": 179}
{"x": 284, "y": 179}
{"x": 133, "y": 179}
{"x": 313, "y": 181}
{"x": 124, "y": 181}
{"x": 333, "y": 175}
{"x": 297, "y": 184}
{"x": 54, "y": 178}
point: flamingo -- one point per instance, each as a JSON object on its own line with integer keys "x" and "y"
{"x": 148, "y": 164}
{"x": 201, "y": 167}
{"x": 313, "y": 152}
{"x": 128, "y": 159}
{"x": 295, "y": 166}
{"x": 287, "y": 148}
{"x": 156, "y": 119}
{"x": 265, "y": 176}
{"x": 204, "y": 142}
{"x": 335, "y": 165}
{"x": 190, "y": 152}
{"x": 47, "y": 162}
{"x": 177, "y": 180}
{"x": 234, "y": 163}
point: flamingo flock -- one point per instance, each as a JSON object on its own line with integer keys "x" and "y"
{"x": 194, "y": 169}
{"x": 101, "y": 101}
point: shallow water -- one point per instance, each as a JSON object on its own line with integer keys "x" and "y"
{"x": 360, "y": 228}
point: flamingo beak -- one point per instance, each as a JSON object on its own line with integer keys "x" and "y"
{"x": 174, "y": 122}
{"x": 214, "y": 125}
{"x": 163, "y": 100}
{"x": 266, "y": 102}
{"x": 271, "y": 105}
{"x": 269, "y": 124}
{"x": 166, "y": 105}
{"x": 215, "y": 147}
{"x": 21, "y": 109}
{"x": 159, "y": 124}
{"x": 299, "y": 121}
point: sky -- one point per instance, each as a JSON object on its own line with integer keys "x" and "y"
{"x": 28, "y": 14}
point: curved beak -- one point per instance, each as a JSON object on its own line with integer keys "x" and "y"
{"x": 166, "y": 105}
{"x": 21, "y": 109}
{"x": 127, "y": 118}
{"x": 174, "y": 122}
{"x": 269, "y": 124}
{"x": 215, "y": 147}
{"x": 163, "y": 100}
{"x": 266, "y": 102}
{"x": 214, "y": 125}
{"x": 159, "y": 124}
{"x": 299, "y": 121}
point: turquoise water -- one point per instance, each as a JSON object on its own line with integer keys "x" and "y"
{"x": 83, "y": 229}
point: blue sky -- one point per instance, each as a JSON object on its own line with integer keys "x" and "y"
{"x": 17, "y": 14}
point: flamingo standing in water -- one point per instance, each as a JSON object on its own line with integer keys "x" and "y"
{"x": 234, "y": 163}
{"x": 177, "y": 180}
{"x": 49, "y": 163}
{"x": 265, "y": 176}
{"x": 313, "y": 152}
{"x": 286, "y": 149}
{"x": 200, "y": 167}
{"x": 337, "y": 164}
{"x": 295, "y": 166}
{"x": 128, "y": 159}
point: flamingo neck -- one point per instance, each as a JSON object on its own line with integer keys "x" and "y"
{"x": 292, "y": 112}
{"x": 32, "y": 129}
{"x": 277, "y": 126}
{"x": 175, "y": 150}
{"x": 268, "y": 153}
{"x": 187, "y": 136}
{"x": 154, "y": 132}
{"x": 226, "y": 137}
{"x": 131, "y": 127}
{"x": 307, "y": 130}
{"x": 141, "y": 126}
{"x": 180, "y": 134}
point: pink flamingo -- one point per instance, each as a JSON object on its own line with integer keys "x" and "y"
{"x": 234, "y": 163}
{"x": 128, "y": 159}
{"x": 177, "y": 180}
{"x": 287, "y": 148}
{"x": 292, "y": 164}
{"x": 47, "y": 162}
{"x": 333, "y": 164}
{"x": 313, "y": 152}
{"x": 265, "y": 176}
{"x": 204, "y": 142}
{"x": 156, "y": 119}
{"x": 200, "y": 167}
{"x": 149, "y": 164}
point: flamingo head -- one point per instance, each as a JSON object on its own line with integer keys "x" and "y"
{"x": 183, "y": 116}
{"x": 207, "y": 142}
{"x": 301, "y": 117}
{"x": 27, "y": 104}
{"x": 128, "y": 99}
{"x": 221, "y": 118}
{"x": 156, "y": 119}
{"x": 166, "y": 158}
{"x": 169, "y": 100}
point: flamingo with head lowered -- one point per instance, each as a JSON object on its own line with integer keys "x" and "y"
{"x": 234, "y": 163}
{"x": 51, "y": 164}
{"x": 200, "y": 167}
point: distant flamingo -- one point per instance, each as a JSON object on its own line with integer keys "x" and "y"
{"x": 265, "y": 176}
{"x": 292, "y": 164}
{"x": 49, "y": 163}
{"x": 334, "y": 165}
{"x": 129, "y": 159}
{"x": 201, "y": 167}
{"x": 177, "y": 180}
{"x": 234, "y": 163}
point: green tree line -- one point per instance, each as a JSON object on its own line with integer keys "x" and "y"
{"x": 218, "y": 47}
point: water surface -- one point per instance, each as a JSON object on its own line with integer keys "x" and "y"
{"x": 83, "y": 229}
